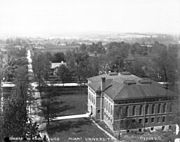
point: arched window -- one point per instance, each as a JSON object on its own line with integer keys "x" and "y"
{"x": 164, "y": 108}
{"x": 134, "y": 110}
{"x": 140, "y": 110}
{"x": 153, "y": 108}
{"x": 146, "y": 108}
{"x": 126, "y": 110}
{"x": 159, "y": 108}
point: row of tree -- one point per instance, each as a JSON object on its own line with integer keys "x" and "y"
{"x": 15, "y": 121}
{"x": 158, "y": 61}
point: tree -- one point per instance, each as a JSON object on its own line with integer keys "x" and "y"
{"x": 77, "y": 63}
{"x": 41, "y": 67}
{"x": 166, "y": 66}
{"x": 15, "y": 115}
{"x": 83, "y": 48}
{"x": 64, "y": 74}
{"x": 116, "y": 54}
{"x": 58, "y": 57}
{"x": 47, "y": 103}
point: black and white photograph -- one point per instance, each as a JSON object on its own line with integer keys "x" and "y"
{"x": 89, "y": 70}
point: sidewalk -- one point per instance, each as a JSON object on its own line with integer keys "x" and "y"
{"x": 36, "y": 104}
{"x": 86, "y": 115}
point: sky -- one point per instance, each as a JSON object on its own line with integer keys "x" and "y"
{"x": 46, "y": 18}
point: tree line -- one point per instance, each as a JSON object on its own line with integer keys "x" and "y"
{"x": 14, "y": 120}
{"x": 156, "y": 61}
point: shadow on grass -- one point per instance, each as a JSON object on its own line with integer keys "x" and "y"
{"x": 66, "y": 125}
{"x": 56, "y": 109}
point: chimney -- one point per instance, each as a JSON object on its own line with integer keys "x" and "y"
{"x": 103, "y": 80}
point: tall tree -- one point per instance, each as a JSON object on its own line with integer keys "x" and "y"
{"x": 47, "y": 103}
{"x": 15, "y": 115}
{"x": 41, "y": 67}
{"x": 64, "y": 74}
{"x": 58, "y": 57}
{"x": 166, "y": 66}
{"x": 116, "y": 54}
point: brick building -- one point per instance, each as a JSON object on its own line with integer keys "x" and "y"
{"x": 125, "y": 102}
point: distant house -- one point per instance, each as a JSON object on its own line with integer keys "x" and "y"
{"x": 55, "y": 66}
{"x": 125, "y": 102}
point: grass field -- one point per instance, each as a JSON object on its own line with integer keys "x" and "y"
{"x": 76, "y": 130}
{"x": 67, "y": 103}
{"x": 70, "y": 104}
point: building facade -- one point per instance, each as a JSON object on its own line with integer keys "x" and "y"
{"x": 125, "y": 102}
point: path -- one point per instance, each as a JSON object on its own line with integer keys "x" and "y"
{"x": 86, "y": 115}
{"x": 36, "y": 102}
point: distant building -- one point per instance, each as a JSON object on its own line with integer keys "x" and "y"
{"x": 55, "y": 66}
{"x": 125, "y": 102}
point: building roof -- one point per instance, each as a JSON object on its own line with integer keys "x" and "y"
{"x": 56, "y": 65}
{"x": 127, "y": 86}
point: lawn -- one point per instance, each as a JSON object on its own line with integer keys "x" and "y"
{"x": 76, "y": 130}
{"x": 70, "y": 104}
{"x": 65, "y": 101}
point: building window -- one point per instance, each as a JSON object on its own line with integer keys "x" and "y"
{"x": 134, "y": 110}
{"x": 163, "y": 119}
{"x": 164, "y": 108}
{"x": 159, "y": 108}
{"x": 140, "y": 121}
{"x": 170, "y": 107}
{"x": 170, "y": 127}
{"x": 152, "y": 120}
{"x": 146, "y": 120}
{"x": 146, "y": 109}
{"x": 153, "y": 108}
{"x": 126, "y": 110}
{"x": 140, "y": 110}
